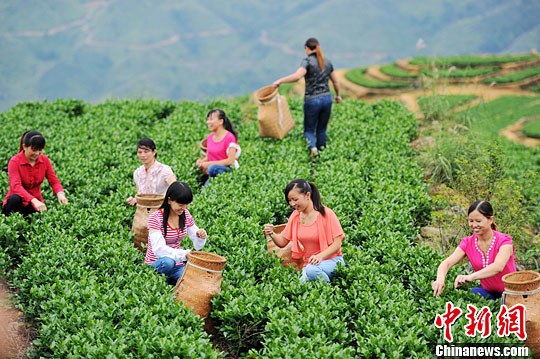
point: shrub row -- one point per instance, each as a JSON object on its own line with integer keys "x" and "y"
{"x": 79, "y": 277}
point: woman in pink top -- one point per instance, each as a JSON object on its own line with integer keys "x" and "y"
{"x": 314, "y": 230}
{"x": 491, "y": 254}
{"x": 221, "y": 145}
{"x": 152, "y": 177}
{"x": 26, "y": 172}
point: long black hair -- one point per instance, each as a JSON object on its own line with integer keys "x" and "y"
{"x": 178, "y": 192}
{"x": 313, "y": 44}
{"x": 485, "y": 209}
{"x": 304, "y": 187}
{"x": 226, "y": 122}
{"x": 33, "y": 139}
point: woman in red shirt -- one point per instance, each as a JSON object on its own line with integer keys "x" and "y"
{"x": 314, "y": 230}
{"x": 26, "y": 172}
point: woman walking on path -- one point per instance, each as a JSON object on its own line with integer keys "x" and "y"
{"x": 316, "y": 70}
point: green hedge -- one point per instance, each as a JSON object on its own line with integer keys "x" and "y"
{"x": 514, "y": 76}
{"x": 358, "y": 76}
{"x": 395, "y": 71}
{"x": 460, "y": 72}
{"x": 532, "y": 129}
{"x": 472, "y": 60}
{"x": 80, "y": 279}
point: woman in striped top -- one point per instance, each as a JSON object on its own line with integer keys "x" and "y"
{"x": 167, "y": 227}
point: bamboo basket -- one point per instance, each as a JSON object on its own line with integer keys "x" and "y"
{"x": 200, "y": 282}
{"x": 284, "y": 253}
{"x": 203, "y": 148}
{"x": 523, "y": 287}
{"x": 522, "y": 281}
{"x": 146, "y": 204}
{"x": 274, "y": 117}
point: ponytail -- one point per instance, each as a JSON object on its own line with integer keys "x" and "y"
{"x": 304, "y": 187}
{"x": 313, "y": 44}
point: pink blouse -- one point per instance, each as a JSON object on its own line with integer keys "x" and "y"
{"x": 479, "y": 260}
{"x": 153, "y": 181}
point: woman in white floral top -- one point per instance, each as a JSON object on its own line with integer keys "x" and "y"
{"x": 152, "y": 177}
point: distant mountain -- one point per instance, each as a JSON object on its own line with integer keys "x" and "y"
{"x": 168, "y": 49}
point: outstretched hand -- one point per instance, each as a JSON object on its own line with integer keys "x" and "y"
{"x": 201, "y": 233}
{"x": 438, "y": 287}
{"x": 462, "y": 279}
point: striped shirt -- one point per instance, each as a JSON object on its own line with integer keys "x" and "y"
{"x": 174, "y": 235}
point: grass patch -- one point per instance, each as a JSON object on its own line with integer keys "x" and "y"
{"x": 395, "y": 71}
{"x": 456, "y": 72}
{"x": 514, "y": 76}
{"x": 450, "y": 101}
{"x": 471, "y": 60}
{"x": 358, "y": 76}
{"x": 532, "y": 129}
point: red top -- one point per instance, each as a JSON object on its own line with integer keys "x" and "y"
{"x": 26, "y": 180}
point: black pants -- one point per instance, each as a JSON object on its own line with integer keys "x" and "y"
{"x": 15, "y": 204}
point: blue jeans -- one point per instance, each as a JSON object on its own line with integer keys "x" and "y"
{"x": 214, "y": 170}
{"x": 324, "y": 270}
{"x": 316, "y": 117}
{"x": 486, "y": 294}
{"x": 168, "y": 267}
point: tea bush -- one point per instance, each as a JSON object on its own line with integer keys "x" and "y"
{"x": 80, "y": 279}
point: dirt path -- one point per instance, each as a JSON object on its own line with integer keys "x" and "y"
{"x": 514, "y": 133}
{"x": 14, "y": 338}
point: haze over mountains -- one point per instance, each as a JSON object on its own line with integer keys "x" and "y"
{"x": 195, "y": 50}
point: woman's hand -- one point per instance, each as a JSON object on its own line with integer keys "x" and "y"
{"x": 315, "y": 259}
{"x": 276, "y": 83}
{"x": 201, "y": 233}
{"x": 202, "y": 164}
{"x": 268, "y": 230}
{"x": 131, "y": 201}
{"x": 338, "y": 99}
{"x": 62, "y": 198}
{"x": 438, "y": 287}
{"x": 462, "y": 279}
{"x": 38, "y": 205}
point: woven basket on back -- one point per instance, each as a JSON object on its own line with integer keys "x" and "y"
{"x": 146, "y": 204}
{"x": 274, "y": 116}
{"x": 284, "y": 253}
{"x": 200, "y": 282}
{"x": 523, "y": 287}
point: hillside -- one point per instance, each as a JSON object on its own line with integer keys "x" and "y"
{"x": 94, "y": 50}
{"x": 99, "y": 300}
